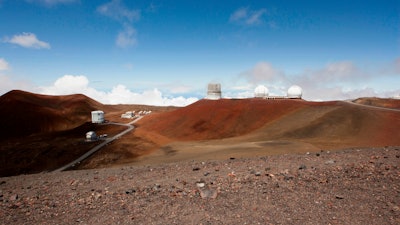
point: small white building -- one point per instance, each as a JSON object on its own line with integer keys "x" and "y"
{"x": 97, "y": 116}
{"x": 128, "y": 115}
{"x": 91, "y": 136}
{"x": 214, "y": 91}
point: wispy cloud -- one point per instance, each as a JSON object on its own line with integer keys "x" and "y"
{"x": 116, "y": 10}
{"x": 52, "y": 2}
{"x": 27, "y": 40}
{"x": 263, "y": 72}
{"x": 126, "y": 37}
{"x": 335, "y": 81}
{"x": 8, "y": 82}
{"x": 246, "y": 16}
{"x": 4, "y": 65}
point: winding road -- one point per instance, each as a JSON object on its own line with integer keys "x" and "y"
{"x": 99, "y": 146}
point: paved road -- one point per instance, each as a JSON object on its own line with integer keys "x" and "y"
{"x": 371, "y": 106}
{"x": 99, "y": 146}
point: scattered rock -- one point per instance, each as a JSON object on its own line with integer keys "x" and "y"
{"x": 339, "y": 197}
{"x": 196, "y": 168}
{"x": 208, "y": 193}
{"x": 330, "y": 161}
{"x": 156, "y": 187}
{"x": 13, "y": 197}
{"x": 130, "y": 191}
{"x": 302, "y": 167}
{"x": 200, "y": 184}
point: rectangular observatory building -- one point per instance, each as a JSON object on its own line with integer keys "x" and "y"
{"x": 97, "y": 116}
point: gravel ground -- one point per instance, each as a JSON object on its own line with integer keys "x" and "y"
{"x": 353, "y": 186}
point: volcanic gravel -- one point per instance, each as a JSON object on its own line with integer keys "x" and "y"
{"x": 353, "y": 186}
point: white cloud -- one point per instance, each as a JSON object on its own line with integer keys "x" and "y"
{"x": 337, "y": 71}
{"x": 70, "y": 84}
{"x": 263, "y": 72}
{"x": 28, "y": 40}
{"x": 7, "y": 84}
{"x": 119, "y": 12}
{"x": 52, "y": 2}
{"x": 116, "y": 10}
{"x": 126, "y": 37}
{"x": 335, "y": 81}
{"x": 248, "y": 17}
{"x": 4, "y": 64}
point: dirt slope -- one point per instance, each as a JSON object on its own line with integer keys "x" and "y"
{"x": 23, "y": 113}
{"x": 209, "y": 119}
{"x": 242, "y": 128}
{"x": 379, "y": 102}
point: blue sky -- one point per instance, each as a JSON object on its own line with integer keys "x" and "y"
{"x": 166, "y": 52}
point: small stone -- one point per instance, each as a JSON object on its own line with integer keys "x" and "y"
{"x": 330, "y": 161}
{"x": 196, "y": 168}
{"x": 232, "y": 158}
{"x": 200, "y": 184}
{"x": 302, "y": 167}
{"x": 156, "y": 187}
{"x": 208, "y": 193}
{"x": 206, "y": 174}
{"x": 257, "y": 174}
{"x": 130, "y": 191}
{"x": 317, "y": 154}
{"x": 13, "y": 197}
{"x": 339, "y": 197}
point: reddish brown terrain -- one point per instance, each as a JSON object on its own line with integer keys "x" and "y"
{"x": 250, "y": 127}
{"x": 41, "y": 133}
{"x": 230, "y": 161}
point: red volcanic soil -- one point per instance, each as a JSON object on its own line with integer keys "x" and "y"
{"x": 23, "y": 113}
{"x": 211, "y": 129}
{"x": 42, "y": 132}
{"x": 210, "y": 119}
{"x": 379, "y": 102}
{"x": 37, "y": 127}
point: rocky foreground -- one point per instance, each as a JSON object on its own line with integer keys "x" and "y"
{"x": 354, "y": 186}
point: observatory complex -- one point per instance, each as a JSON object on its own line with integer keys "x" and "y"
{"x": 261, "y": 91}
{"x": 294, "y": 92}
{"x": 214, "y": 91}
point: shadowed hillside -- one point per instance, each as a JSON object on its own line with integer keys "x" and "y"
{"x": 23, "y": 113}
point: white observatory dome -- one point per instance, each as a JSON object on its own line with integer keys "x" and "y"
{"x": 294, "y": 92}
{"x": 261, "y": 91}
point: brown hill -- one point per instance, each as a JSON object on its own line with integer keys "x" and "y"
{"x": 248, "y": 127}
{"x": 209, "y": 119}
{"x": 23, "y": 113}
{"x": 379, "y": 102}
